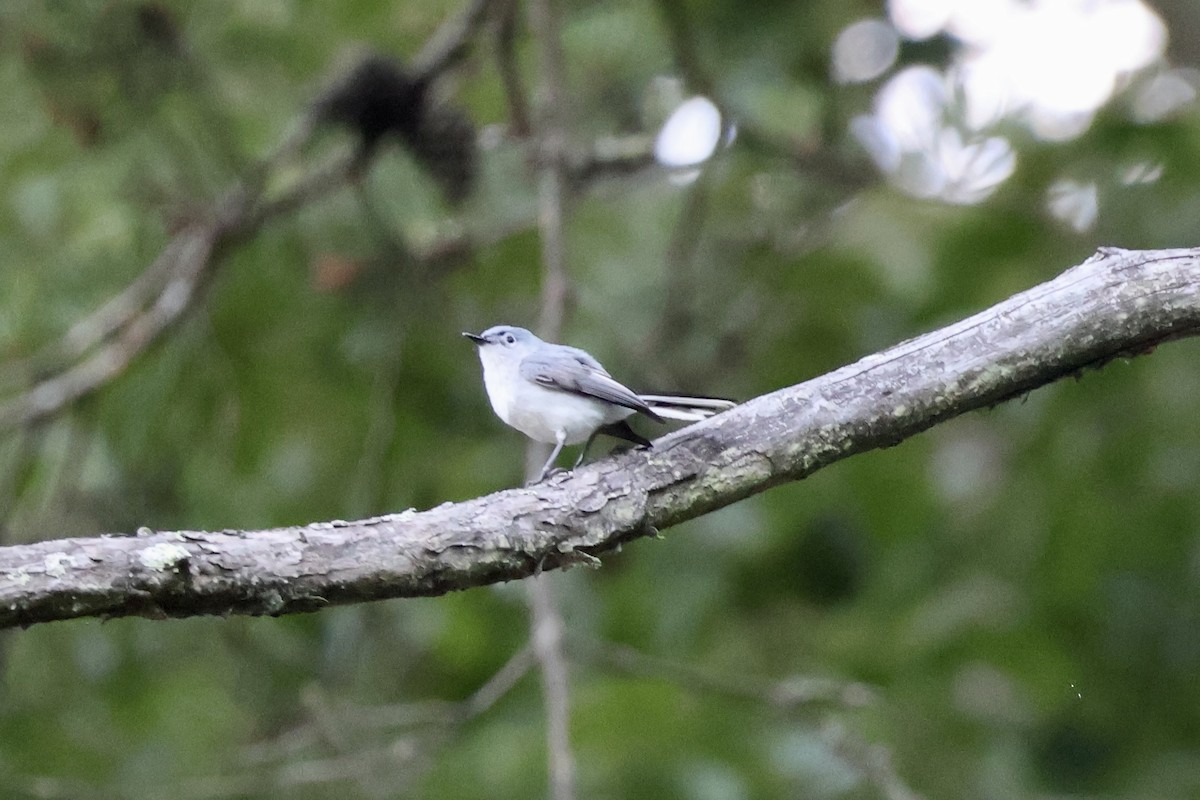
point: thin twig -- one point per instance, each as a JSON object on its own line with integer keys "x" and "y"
{"x": 369, "y": 475}
{"x": 404, "y": 739}
{"x": 449, "y": 42}
{"x": 874, "y": 761}
{"x": 51, "y": 395}
{"x": 787, "y": 695}
{"x": 399, "y": 717}
{"x": 678, "y": 317}
{"x": 551, "y": 147}
{"x": 461, "y": 712}
{"x": 798, "y": 694}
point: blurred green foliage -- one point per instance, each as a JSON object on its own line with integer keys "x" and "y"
{"x": 1018, "y": 588}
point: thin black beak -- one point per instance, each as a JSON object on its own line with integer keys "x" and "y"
{"x": 475, "y": 337}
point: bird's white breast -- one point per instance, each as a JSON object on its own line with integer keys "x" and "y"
{"x": 543, "y": 414}
{"x": 500, "y": 379}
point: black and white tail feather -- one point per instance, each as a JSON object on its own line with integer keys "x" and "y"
{"x": 686, "y": 409}
{"x": 659, "y": 407}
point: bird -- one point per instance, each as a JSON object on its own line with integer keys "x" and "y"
{"x": 561, "y": 395}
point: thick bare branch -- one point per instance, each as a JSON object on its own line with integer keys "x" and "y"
{"x": 1117, "y": 303}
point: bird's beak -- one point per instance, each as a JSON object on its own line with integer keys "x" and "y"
{"x": 475, "y": 337}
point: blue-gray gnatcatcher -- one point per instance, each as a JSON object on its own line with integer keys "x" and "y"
{"x": 560, "y": 395}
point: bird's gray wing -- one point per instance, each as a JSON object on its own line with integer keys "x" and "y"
{"x": 570, "y": 370}
{"x": 583, "y": 357}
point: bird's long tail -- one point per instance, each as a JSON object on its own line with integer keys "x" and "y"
{"x": 688, "y": 409}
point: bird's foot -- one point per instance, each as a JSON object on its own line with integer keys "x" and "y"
{"x": 550, "y": 473}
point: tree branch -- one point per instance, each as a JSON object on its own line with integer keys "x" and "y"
{"x": 1118, "y": 303}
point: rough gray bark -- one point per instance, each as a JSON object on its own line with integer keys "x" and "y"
{"x": 1118, "y": 303}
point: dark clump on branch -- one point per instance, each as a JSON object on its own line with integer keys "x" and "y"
{"x": 444, "y": 144}
{"x": 159, "y": 26}
{"x": 374, "y": 99}
{"x": 380, "y": 98}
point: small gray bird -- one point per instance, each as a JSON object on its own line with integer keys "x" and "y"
{"x": 560, "y": 395}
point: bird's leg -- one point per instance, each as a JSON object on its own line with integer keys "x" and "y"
{"x": 618, "y": 430}
{"x": 561, "y": 436}
{"x": 586, "y": 445}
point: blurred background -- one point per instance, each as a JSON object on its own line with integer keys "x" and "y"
{"x": 1007, "y": 606}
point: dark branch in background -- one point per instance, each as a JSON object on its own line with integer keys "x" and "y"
{"x": 101, "y": 346}
{"x": 612, "y": 156}
{"x": 682, "y": 37}
{"x": 1118, "y": 303}
{"x": 509, "y": 70}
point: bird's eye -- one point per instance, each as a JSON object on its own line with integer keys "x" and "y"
{"x": 510, "y": 339}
